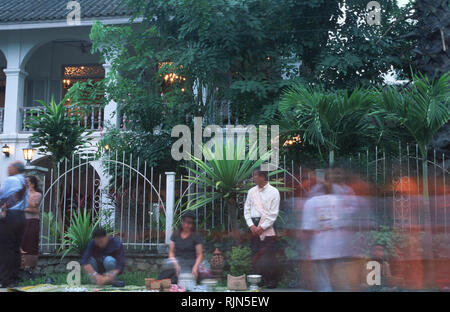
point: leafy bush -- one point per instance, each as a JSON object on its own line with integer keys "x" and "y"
{"x": 240, "y": 261}
{"x": 79, "y": 233}
{"x": 385, "y": 236}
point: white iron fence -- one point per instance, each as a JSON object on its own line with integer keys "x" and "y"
{"x": 391, "y": 183}
{"x": 140, "y": 204}
{"x": 124, "y": 193}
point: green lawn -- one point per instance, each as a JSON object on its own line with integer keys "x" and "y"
{"x": 130, "y": 278}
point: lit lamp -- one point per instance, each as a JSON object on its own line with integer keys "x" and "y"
{"x": 5, "y": 150}
{"x": 28, "y": 153}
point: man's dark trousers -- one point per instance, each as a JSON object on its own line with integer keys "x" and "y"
{"x": 264, "y": 259}
{"x": 12, "y": 228}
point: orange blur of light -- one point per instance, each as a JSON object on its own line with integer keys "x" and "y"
{"x": 406, "y": 185}
{"x": 359, "y": 186}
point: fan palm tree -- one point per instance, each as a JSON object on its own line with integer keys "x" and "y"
{"x": 226, "y": 177}
{"x": 327, "y": 120}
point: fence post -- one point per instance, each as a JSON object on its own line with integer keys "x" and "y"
{"x": 170, "y": 203}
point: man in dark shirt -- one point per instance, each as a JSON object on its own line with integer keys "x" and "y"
{"x": 104, "y": 259}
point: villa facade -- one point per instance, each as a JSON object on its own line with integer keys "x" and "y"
{"x": 42, "y": 54}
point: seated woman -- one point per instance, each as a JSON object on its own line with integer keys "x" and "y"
{"x": 185, "y": 251}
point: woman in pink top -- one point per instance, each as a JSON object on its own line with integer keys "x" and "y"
{"x": 30, "y": 241}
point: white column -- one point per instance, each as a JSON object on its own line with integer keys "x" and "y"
{"x": 107, "y": 207}
{"x": 15, "y": 86}
{"x": 110, "y": 110}
{"x": 170, "y": 203}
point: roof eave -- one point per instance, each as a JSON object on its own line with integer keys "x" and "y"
{"x": 63, "y": 23}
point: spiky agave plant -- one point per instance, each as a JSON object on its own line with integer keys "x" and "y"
{"x": 79, "y": 233}
{"x": 226, "y": 172}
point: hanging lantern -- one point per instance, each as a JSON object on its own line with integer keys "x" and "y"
{"x": 6, "y": 150}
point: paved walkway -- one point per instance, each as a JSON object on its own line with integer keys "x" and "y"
{"x": 285, "y": 290}
{"x": 263, "y": 290}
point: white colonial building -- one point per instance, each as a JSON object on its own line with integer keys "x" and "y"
{"x": 44, "y": 49}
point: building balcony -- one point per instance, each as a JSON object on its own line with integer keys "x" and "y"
{"x": 92, "y": 117}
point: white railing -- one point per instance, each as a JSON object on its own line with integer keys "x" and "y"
{"x": 92, "y": 117}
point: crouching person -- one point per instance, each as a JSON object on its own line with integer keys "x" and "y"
{"x": 104, "y": 259}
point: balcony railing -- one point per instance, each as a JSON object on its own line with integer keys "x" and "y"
{"x": 92, "y": 118}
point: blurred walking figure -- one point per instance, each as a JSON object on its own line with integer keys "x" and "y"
{"x": 327, "y": 223}
{"x": 409, "y": 264}
{"x": 30, "y": 241}
{"x": 13, "y": 201}
{"x": 260, "y": 212}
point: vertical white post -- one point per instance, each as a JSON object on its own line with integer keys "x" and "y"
{"x": 170, "y": 203}
{"x": 15, "y": 85}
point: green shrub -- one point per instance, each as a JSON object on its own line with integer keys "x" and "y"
{"x": 385, "y": 236}
{"x": 240, "y": 261}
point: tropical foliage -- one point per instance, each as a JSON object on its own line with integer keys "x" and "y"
{"x": 240, "y": 260}
{"x": 58, "y": 130}
{"x": 329, "y": 120}
{"x": 422, "y": 108}
{"x": 79, "y": 233}
{"x": 360, "y": 54}
{"x": 225, "y": 176}
{"x": 432, "y": 33}
{"x": 221, "y": 60}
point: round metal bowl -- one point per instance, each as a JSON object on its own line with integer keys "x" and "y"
{"x": 254, "y": 279}
{"x": 187, "y": 281}
{"x": 209, "y": 284}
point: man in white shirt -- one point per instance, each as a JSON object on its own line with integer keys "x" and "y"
{"x": 260, "y": 211}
